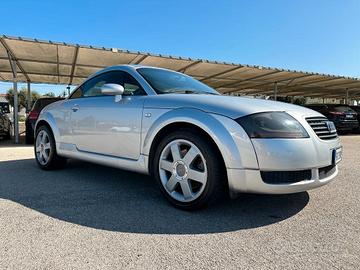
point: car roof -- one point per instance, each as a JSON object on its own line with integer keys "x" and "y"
{"x": 129, "y": 68}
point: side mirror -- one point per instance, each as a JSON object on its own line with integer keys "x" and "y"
{"x": 113, "y": 89}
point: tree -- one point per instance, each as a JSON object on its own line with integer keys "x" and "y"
{"x": 22, "y": 97}
{"x": 49, "y": 94}
{"x": 294, "y": 100}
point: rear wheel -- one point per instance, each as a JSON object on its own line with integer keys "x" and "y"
{"x": 189, "y": 170}
{"x": 45, "y": 150}
{"x": 29, "y": 137}
{"x": 8, "y": 135}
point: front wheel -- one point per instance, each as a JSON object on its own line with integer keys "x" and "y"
{"x": 45, "y": 150}
{"x": 189, "y": 170}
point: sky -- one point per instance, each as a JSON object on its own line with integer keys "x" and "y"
{"x": 319, "y": 36}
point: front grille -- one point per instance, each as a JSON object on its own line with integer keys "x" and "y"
{"x": 320, "y": 127}
{"x": 326, "y": 171}
{"x": 285, "y": 177}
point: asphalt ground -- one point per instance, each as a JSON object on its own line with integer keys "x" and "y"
{"x": 93, "y": 217}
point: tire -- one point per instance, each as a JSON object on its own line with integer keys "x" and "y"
{"x": 28, "y": 137}
{"x": 45, "y": 150}
{"x": 180, "y": 158}
{"x": 8, "y": 135}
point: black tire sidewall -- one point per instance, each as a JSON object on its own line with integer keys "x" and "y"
{"x": 51, "y": 163}
{"x": 28, "y": 137}
{"x": 214, "y": 180}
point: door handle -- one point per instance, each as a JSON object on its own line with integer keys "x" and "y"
{"x": 75, "y": 108}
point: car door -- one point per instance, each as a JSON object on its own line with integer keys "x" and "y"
{"x": 102, "y": 125}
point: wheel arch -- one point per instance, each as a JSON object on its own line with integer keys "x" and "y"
{"x": 210, "y": 126}
{"x": 48, "y": 120}
{"x": 174, "y": 126}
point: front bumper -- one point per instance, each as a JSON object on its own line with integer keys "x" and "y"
{"x": 280, "y": 156}
{"x": 250, "y": 181}
{"x": 247, "y": 159}
{"x": 346, "y": 124}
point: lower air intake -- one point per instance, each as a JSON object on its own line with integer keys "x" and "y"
{"x": 285, "y": 177}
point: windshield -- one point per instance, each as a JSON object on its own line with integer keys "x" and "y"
{"x": 166, "y": 82}
{"x": 341, "y": 108}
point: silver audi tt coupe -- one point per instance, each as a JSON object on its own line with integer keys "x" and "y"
{"x": 197, "y": 144}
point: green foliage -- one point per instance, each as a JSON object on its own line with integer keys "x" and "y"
{"x": 299, "y": 101}
{"x": 49, "y": 94}
{"x": 294, "y": 100}
{"x": 22, "y": 97}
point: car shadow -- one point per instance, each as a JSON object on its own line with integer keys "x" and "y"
{"x": 115, "y": 200}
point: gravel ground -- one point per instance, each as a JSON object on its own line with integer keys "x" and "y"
{"x": 93, "y": 217}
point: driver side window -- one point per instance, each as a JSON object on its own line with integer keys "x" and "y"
{"x": 92, "y": 87}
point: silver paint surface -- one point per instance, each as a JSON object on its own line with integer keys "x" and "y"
{"x": 120, "y": 134}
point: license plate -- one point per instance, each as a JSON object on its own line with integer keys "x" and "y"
{"x": 349, "y": 116}
{"x": 337, "y": 155}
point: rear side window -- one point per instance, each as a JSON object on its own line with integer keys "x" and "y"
{"x": 341, "y": 109}
{"x": 42, "y": 103}
{"x": 92, "y": 87}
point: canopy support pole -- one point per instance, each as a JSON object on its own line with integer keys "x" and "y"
{"x": 347, "y": 97}
{"x": 28, "y": 98}
{"x": 16, "y": 112}
{"x": 16, "y": 98}
{"x": 275, "y": 90}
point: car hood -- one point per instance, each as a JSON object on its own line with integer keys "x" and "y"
{"x": 229, "y": 106}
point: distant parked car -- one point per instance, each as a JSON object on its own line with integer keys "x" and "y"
{"x": 5, "y": 125}
{"x": 344, "y": 118}
{"x": 30, "y": 121}
{"x": 357, "y": 110}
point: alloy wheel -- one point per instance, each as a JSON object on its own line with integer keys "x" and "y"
{"x": 43, "y": 147}
{"x": 183, "y": 171}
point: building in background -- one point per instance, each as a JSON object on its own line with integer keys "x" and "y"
{"x": 4, "y": 103}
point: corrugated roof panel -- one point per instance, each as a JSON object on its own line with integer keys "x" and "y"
{"x": 30, "y": 50}
{"x": 8, "y": 76}
{"x": 39, "y": 68}
{"x": 65, "y": 70}
{"x": 54, "y": 62}
{"x": 44, "y": 78}
{"x": 103, "y": 58}
{"x": 170, "y": 63}
{"x": 5, "y": 65}
{"x": 85, "y": 72}
{"x": 216, "y": 83}
{"x": 66, "y": 54}
{"x": 206, "y": 69}
{"x": 3, "y": 52}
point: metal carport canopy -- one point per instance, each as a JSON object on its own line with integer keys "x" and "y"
{"x": 40, "y": 61}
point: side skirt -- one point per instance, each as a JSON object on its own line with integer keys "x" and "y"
{"x": 70, "y": 151}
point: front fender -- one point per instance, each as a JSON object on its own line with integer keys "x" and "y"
{"x": 232, "y": 141}
{"x": 50, "y": 120}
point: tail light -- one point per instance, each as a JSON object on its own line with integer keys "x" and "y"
{"x": 33, "y": 115}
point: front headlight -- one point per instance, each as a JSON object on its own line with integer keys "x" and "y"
{"x": 272, "y": 125}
